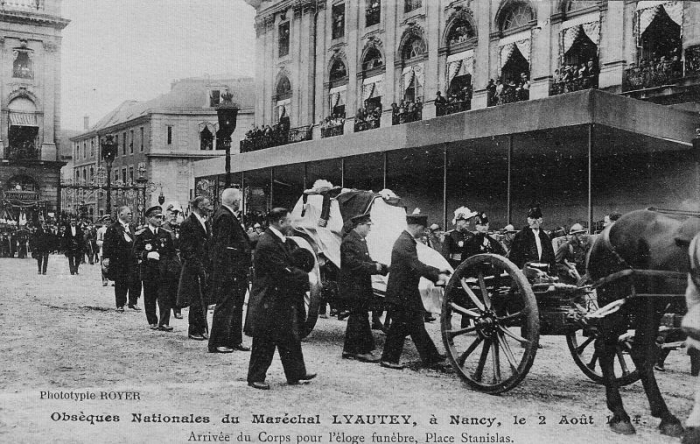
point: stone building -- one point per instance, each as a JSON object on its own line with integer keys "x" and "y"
{"x": 493, "y": 104}
{"x": 158, "y": 140}
{"x": 30, "y": 80}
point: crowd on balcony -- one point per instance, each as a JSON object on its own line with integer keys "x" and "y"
{"x": 266, "y": 136}
{"x": 574, "y": 77}
{"x": 454, "y": 102}
{"x": 406, "y": 111}
{"x": 22, "y": 150}
{"x": 368, "y": 118}
{"x": 512, "y": 90}
{"x": 333, "y": 125}
{"x": 653, "y": 72}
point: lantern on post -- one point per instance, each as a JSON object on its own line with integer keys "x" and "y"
{"x": 227, "y": 113}
{"x": 109, "y": 152}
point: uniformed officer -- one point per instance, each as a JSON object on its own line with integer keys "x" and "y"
{"x": 154, "y": 247}
{"x": 482, "y": 242}
{"x": 571, "y": 255}
{"x": 455, "y": 240}
{"x": 173, "y": 218}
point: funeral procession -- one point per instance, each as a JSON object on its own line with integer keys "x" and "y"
{"x": 350, "y": 221}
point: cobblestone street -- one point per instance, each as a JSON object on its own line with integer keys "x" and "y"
{"x": 62, "y": 335}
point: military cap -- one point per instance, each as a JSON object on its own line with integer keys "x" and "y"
{"x": 509, "y": 229}
{"x": 360, "y": 219}
{"x": 534, "y": 212}
{"x": 417, "y": 219}
{"x": 577, "y": 229}
{"x": 481, "y": 219}
{"x": 463, "y": 213}
{"x": 153, "y": 209}
{"x": 174, "y": 206}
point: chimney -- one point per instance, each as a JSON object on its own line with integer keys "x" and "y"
{"x": 86, "y": 122}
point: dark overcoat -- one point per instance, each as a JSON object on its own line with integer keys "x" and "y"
{"x": 118, "y": 247}
{"x": 42, "y": 241}
{"x": 482, "y": 243}
{"x": 230, "y": 253}
{"x": 276, "y": 305}
{"x": 72, "y": 244}
{"x": 524, "y": 248}
{"x": 194, "y": 245}
{"x": 405, "y": 273}
{"x": 147, "y": 242}
{"x": 356, "y": 269}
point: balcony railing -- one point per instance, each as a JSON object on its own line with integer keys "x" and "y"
{"x": 567, "y": 86}
{"x": 26, "y": 152}
{"x": 332, "y": 131}
{"x": 406, "y": 115}
{"x": 651, "y": 74}
{"x": 452, "y": 107}
{"x": 509, "y": 94}
{"x": 368, "y": 124}
{"x": 23, "y": 4}
{"x": 262, "y": 139}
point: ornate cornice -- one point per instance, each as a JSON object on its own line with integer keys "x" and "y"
{"x": 22, "y": 17}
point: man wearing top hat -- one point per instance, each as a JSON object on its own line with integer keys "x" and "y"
{"x": 482, "y": 242}
{"x": 355, "y": 284}
{"x": 532, "y": 244}
{"x": 154, "y": 247}
{"x": 453, "y": 246}
{"x": 403, "y": 299}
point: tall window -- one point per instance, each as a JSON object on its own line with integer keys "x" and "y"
{"x": 92, "y": 174}
{"x": 84, "y": 150}
{"x": 338, "y": 71}
{"x": 84, "y": 174}
{"x": 517, "y": 15}
{"x": 124, "y": 175}
{"x": 124, "y": 143}
{"x": 22, "y": 65}
{"x": 92, "y": 148}
{"x": 116, "y": 144}
{"x": 410, "y": 5}
{"x": 372, "y": 12}
{"x": 77, "y": 176}
{"x": 141, "y": 131}
{"x": 214, "y": 98}
{"x": 131, "y": 144}
{"x": 131, "y": 174}
{"x": 283, "y": 39}
{"x": 338, "y": 21}
{"x": 170, "y": 135}
{"x": 206, "y": 140}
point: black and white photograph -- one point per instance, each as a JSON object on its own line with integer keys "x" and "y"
{"x": 350, "y": 221}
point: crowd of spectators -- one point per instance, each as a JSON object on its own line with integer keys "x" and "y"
{"x": 266, "y": 136}
{"x": 368, "y": 118}
{"x": 512, "y": 90}
{"x": 333, "y": 125}
{"x": 574, "y": 77}
{"x": 406, "y": 111}
{"x": 455, "y": 102}
{"x": 657, "y": 71}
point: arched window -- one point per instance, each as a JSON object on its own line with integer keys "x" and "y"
{"x": 22, "y": 183}
{"x": 373, "y": 59}
{"x": 662, "y": 38}
{"x": 515, "y": 15}
{"x": 460, "y": 32}
{"x": 284, "y": 88}
{"x": 24, "y": 128}
{"x": 413, "y": 48}
{"x": 577, "y": 5}
{"x": 206, "y": 140}
{"x": 338, "y": 71}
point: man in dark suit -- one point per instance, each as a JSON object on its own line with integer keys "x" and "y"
{"x": 231, "y": 260}
{"x": 154, "y": 247}
{"x": 481, "y": 242}
{"x": 73, "y": 245}
{"x": 119, "y": 259}
{"x": 276, "y": 304}
{"x": 42, "y": 245}
{"x": 355, "y": 284}
{"x": 532, "y": 244}
{"x": 195, "y": 235}
{"x": 404, "y": 301}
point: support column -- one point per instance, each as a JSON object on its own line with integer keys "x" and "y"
{"x": 243, "y": 200}
{"x": 444, "y": 187}
{"x": 272, "y": 188}
{"x": 306, "y": 176}
{"x": 509, "y": 193}
{"x": 483, "y": 55}
{"x": 614, "y": 41}
{"x": 591, "y": 127}
{"x": 342, "y": 172}
{"x": 386, "y": 161}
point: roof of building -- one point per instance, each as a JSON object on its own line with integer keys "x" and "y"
{"x": 185, "y": 95}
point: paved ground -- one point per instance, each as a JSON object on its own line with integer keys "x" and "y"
{"x": 62, "y": 335}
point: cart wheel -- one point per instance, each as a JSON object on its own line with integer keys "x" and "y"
{"x": 582, "y": 347}
{"x": 312, "y": 299}
{"x": 490, "y": 323}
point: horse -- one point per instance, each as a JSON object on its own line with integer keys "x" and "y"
{"x": 639, "y": 241}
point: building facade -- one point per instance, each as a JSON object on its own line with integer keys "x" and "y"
{"x": 157, "y": 142}
{"x": 30, "y": 84}
{"x": 472, "y": 103}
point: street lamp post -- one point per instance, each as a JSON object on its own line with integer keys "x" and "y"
{"x": 227, "y": 112}
{"x": 109, "y": 152}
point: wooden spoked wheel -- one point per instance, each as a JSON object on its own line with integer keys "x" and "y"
{"x": 490, "y": 323}
{"x": 312, "y": 299}
{"x": 582, "y": 347}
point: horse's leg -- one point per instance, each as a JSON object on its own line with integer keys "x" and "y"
{"x": 692, "y": 424}
{"x": 606, "y": 348}
{"x": 644, "y": 351}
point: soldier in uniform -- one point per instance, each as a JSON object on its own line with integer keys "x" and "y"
{"x": 453, "y": 247}
{"x": 482, "y": 242}
{"x": 172, "y": 224}
{"x": 154, "y": 247}
{"x": 571, "y": 255}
